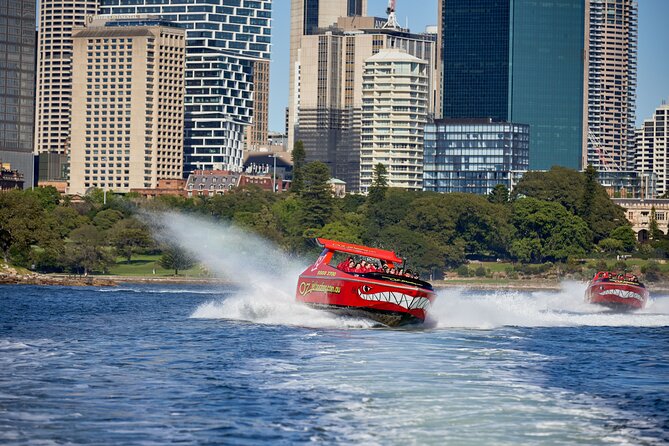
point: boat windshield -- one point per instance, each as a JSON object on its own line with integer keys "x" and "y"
{"x": 608, "y": 276}
{"x": 366, "y": 265}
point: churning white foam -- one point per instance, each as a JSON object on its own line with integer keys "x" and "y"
{"x": 264, "y": 274}
{"x": 464, "y": 308}
{"x": 266, "y": 278}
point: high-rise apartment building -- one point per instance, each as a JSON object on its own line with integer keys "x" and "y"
{"x": 394, "y": 111}
{"x": 306, "y": 17}
{"x": 127, "y": 105}
{"x": 17, "y": 86}
{"x": 474, "y": 155}
{"x": 518, "y": 61}
{"x": 612, "y": 55}
{"x": 225, "y": 38}
{"x": 257, "y": 134}
{"x": 652, "y": 149}
{"x": 57, "y": 18}
{"x": 331, "y": 94}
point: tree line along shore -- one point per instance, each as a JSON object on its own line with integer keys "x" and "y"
{"x": 555, "y": 225}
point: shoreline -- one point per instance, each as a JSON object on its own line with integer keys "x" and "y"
{"x": 15, "y": 278}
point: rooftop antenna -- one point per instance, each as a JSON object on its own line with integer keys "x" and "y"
{"x": 392, "y": 18}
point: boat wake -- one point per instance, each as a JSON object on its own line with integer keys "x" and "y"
{"x": 266, "y": 277}
{"x": 462, "y": 308}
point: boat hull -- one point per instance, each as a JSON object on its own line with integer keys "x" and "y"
{"x": 616, "y": 295}
{"x": 391, "y": 301}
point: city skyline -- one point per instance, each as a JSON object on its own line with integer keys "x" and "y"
{"x": 652, "y": 86}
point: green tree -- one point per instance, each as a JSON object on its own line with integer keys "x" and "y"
{"x": 318, "y": 203}
{"x": 589, "y": 193}
{"x": 287, "y": 213}
{"x": 128, "y": 237}
{"x": 263, "y": 223}
{"x": 611, "y": 245}
{"x": 625, "y": 235}
{"x": 466, "y": 220}
{"x": 499, "y": 194}
{"x": 348, "y": 229}
{"x": 568, "y": 187}
{"x": 107, "y": 218}
{"x": 176, "y": 259}
{"x": 21, "y": 224}
{"x": 654, "y": 232}
{"x": 48, "y": 197}
{"x": 299, "y": 155}
{"x": 248, "y": 199}
{"x": 68, "y": 219}
{"x": 86, "y": 250}
{"x": 419, "y": 252}
{"x": 547, "y": 231}
{"x": 377, "y": 191}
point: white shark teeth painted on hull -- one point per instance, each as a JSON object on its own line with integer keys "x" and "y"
{"x": 625, "y": 294}
{"x": 401, "y": 299}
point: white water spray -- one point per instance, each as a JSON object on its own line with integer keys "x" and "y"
{"x": 267, "y": 277}
{"x": 460, "y": 308}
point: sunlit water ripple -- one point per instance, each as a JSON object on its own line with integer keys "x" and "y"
{"x": 160, "y": 364}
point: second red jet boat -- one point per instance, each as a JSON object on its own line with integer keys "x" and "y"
{"x": 617, "y": 291}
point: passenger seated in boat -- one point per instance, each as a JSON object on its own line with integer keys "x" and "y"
{"x": 345, "y": 264}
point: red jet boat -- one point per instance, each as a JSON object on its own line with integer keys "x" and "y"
{"x": 390, "y": 299}
{"x": 618, "y": 291}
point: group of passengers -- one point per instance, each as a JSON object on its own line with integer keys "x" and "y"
{"x": 619, "y": 277}
{"x": 362, "y": 267}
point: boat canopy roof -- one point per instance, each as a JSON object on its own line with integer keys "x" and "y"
{"x": 350, "y": 248}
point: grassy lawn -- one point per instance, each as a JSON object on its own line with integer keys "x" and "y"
{"x": 144, "y": 265}
{"x": 495, "y": 267}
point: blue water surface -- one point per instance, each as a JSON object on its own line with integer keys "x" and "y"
{"x": 131, "y": 365}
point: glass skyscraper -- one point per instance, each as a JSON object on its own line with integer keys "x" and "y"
{"x": 224, "y": 38}
{"x": 518, "y": 61}
{"x": 476, "y": 70}
{"x": 473, "y": 155}
{"x": 17, "y": 86}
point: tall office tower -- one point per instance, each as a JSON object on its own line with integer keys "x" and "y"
{"x": 224, "y": 39}
{"x": 394, "y": 111}
{"x": 17, "y": 79}
{"x": 306, "y": 17}
{"x": 518, "y": 61}
{"x": 652, "y": 149}
{"x": 57, "y": 18}
{"x": 127, "y": 105}
{"x": 612, "y": 54}
{"x": 257, "y": 134}
{"x": 330, "y": 85}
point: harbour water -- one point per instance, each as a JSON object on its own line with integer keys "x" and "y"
{"x": 164, "y": 364}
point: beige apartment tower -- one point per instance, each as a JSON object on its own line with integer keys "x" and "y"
{"x": 394, "y": 112}
{"x": 57, "y": 19}
{"x": 127, "y": 106}
{"x": 328, "y": 121}
{"x": 257, "y": 133}
{"x": 612, "y": 60}
{"x": 306, "y": 17}
{"x": 652, "y": 149}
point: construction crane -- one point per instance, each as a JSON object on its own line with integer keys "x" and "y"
{"x": 392, "y": 18}
{"x": 606, "y": 159}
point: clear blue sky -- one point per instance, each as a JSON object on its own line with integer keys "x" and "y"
{"x": 653, "y": 57}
